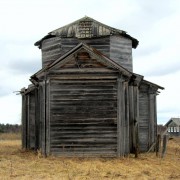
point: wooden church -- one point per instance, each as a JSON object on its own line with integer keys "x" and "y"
{"x": 86, "y": 100}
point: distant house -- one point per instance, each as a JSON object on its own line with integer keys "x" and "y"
{"x": 173, "y": 126}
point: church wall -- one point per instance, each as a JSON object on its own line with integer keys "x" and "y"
{"x": 121, "y": 51}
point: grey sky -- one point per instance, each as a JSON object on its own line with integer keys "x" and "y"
{"x": 154, "y": 23}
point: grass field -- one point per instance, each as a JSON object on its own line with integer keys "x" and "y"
{"x": 16, "y": 163}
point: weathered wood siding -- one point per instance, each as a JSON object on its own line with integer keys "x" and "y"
{"x": 83, "y": 117}
{"x": 24, "y": 121}
{"x": 143, "y": 121}
{"x": 144, "y": 118}
{"x": 147, "y": 117}
{"x": 121, "y": 51}
{"x": 51, "y": 50}
{"x": 28, "y": 120}
{"x": 55, "y": 47}
{"x": 116, "y": 48}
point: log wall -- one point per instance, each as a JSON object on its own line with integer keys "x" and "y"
{"x": 83, "y": 117}
{"x": 121, "y": 51}
{"x": 116, "y": 48}
{"x": 55, "y": 47}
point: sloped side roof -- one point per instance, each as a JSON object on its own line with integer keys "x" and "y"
{"x": 87, "y": 27}
{"x": 152, "y": 84}
{"x": 175, "y": 120}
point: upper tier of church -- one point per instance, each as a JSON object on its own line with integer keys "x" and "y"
{"x": 114, "y": 43}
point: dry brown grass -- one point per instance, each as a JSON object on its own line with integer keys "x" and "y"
{"x": 19, "y": 164}
{"x": 10, "y": 136}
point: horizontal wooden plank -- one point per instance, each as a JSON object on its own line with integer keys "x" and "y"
{"x": 87, "y": 154}
{"x": 83, "y": 127}
{"x": 84, "y": 149}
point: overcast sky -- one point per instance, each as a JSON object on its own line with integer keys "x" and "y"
{"x": 155, "y": 23}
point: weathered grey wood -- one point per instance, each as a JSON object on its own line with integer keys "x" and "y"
{"x": 131, "y": 117}
{"x": 165, "y": 140}
{"x": 80, "y": 123}
{"x": 151, "y": 119}
{"x": 48, "y": 116}
{"x": 54, "y": 47}
{"x": 43, "y": 118}
{"x": 127, "y": 141}
{"x": 144, "y": 118}
{"x": 119, "y": 117}
{"x": 121, "y": 51}
{"x": 136, "y": 123}
{"x": 85, "y": 104}
{"x": 24, "y": 122}
{"x": 158, "y": 145}
{"x": 37, "y": 120}
{"x": 121, "y": 124}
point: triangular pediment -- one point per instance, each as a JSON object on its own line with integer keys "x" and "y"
{"x": 84, "y": 58}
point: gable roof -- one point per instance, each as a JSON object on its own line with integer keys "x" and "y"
{"x": 101, "y": 57}
{"x": 175, "y": 120}
{"x": 87, "y": 27}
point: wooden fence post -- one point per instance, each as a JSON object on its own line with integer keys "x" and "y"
{"x": 158, "y": 145}
{"x": 165, "y": 138}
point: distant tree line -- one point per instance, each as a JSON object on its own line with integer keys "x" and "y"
{"x": 10, "y": 128}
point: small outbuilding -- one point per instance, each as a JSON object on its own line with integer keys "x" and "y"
{"x": 86, "y": 100}
{"x": 173, "y": 126}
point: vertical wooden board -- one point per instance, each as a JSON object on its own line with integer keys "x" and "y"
{"x": 40, "y": 104}
{"x": 151, "y": 119}
{"x": 32, "y": 118}
{"x": 122, "y": 125}
{"x": 131, "y": 117}
{"x": 28, "y": 122}
{"x": 47, "y": 117}
{"x": 143, "y": 120}
{"x": 43, "y": 117}
{"x": 119, "y": 116}
{"x": 24, "y": 122}
{"x": 127, "y": 149}
{"x": 37, "y": 119}
{"x": 136, "y": 120}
